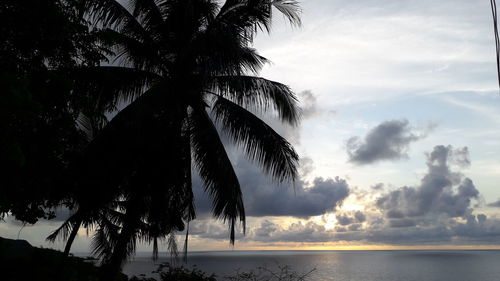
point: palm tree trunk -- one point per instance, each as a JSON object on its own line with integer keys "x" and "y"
{"x": 67, "y": 248}
{"x": 72, "y": 237}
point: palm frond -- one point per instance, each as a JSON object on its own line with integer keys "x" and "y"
{"x": 131, "y": 52}
{"x": 84, "y": 123}
{"x": 107, "y": 86}
{"x": 260, "y": 142}
{"x": 149, "y": 14}
{"x": 290, "y": 9}
{"x": 112, "y": 14}
{"x": 62, "y": 231}
{"x": 221, "y": 54}
{"x": 215, "y": 169}
{"x": 172, "y": 246}
{"x": 260, "y": 94}
{"x": 253, "y": 15}
{"x": 247, "y": 15}
{"x": 105, "y": 238}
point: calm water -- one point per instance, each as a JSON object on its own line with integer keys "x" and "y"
{"x": 350, "y": 265}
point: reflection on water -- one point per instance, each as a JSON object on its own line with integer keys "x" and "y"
{"x": 350, "y": 265}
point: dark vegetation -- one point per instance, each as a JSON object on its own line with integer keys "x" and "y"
{"x": 19, "y": 261}
{"x": 38, "y": 110}
{"x": 263, "y": 273}
{"x": 105, "y": 108}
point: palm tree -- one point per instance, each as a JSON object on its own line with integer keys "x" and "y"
{"x": 183, "y": 68}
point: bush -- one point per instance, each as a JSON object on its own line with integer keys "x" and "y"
{"x": 282, "y": 273}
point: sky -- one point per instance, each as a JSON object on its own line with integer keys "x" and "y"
{"x": 398, "y": 141}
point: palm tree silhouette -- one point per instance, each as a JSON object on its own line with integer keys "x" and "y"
{"x": 183, "y": 68}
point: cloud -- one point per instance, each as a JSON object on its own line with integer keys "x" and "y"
{"x": 377, "y": 187}
{"x": 262, "y": 197}
{"x": 441, "y": 191}
{"x": 323, "y": 196}
{"x": 295, "y": 232}
{"x": 455, "y": 33}
{"x": 211, "y": 229}
{"x": 351, "y": 218}
{"x": 389, "y": 140}
{"x": 344, "y": 220}
{"x": 309, "y": 106}
{"x": 495, "y": 204}
{"x": 439, "y": 210}
{"x": 359, "y": 216}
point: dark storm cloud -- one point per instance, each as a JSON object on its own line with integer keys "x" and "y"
{"x": 388, "y": 141}
{"x": 441, "y": 191}
{"x": 262, "y": 197}
{"x": 323, "y": 196}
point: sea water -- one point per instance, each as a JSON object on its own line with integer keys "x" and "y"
{"x": 344, "y": 265}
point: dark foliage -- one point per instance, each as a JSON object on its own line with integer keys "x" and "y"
{"x": 19, "y": 261}
{"x": 278, "y": 272}
{"x": 168, "y": 272}
{"x": 38, "y": 136}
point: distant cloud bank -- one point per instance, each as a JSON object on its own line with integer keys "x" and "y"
{"x": 440, "y": 209}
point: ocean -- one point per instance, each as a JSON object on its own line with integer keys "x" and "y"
{"x": 345, "y": 265}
